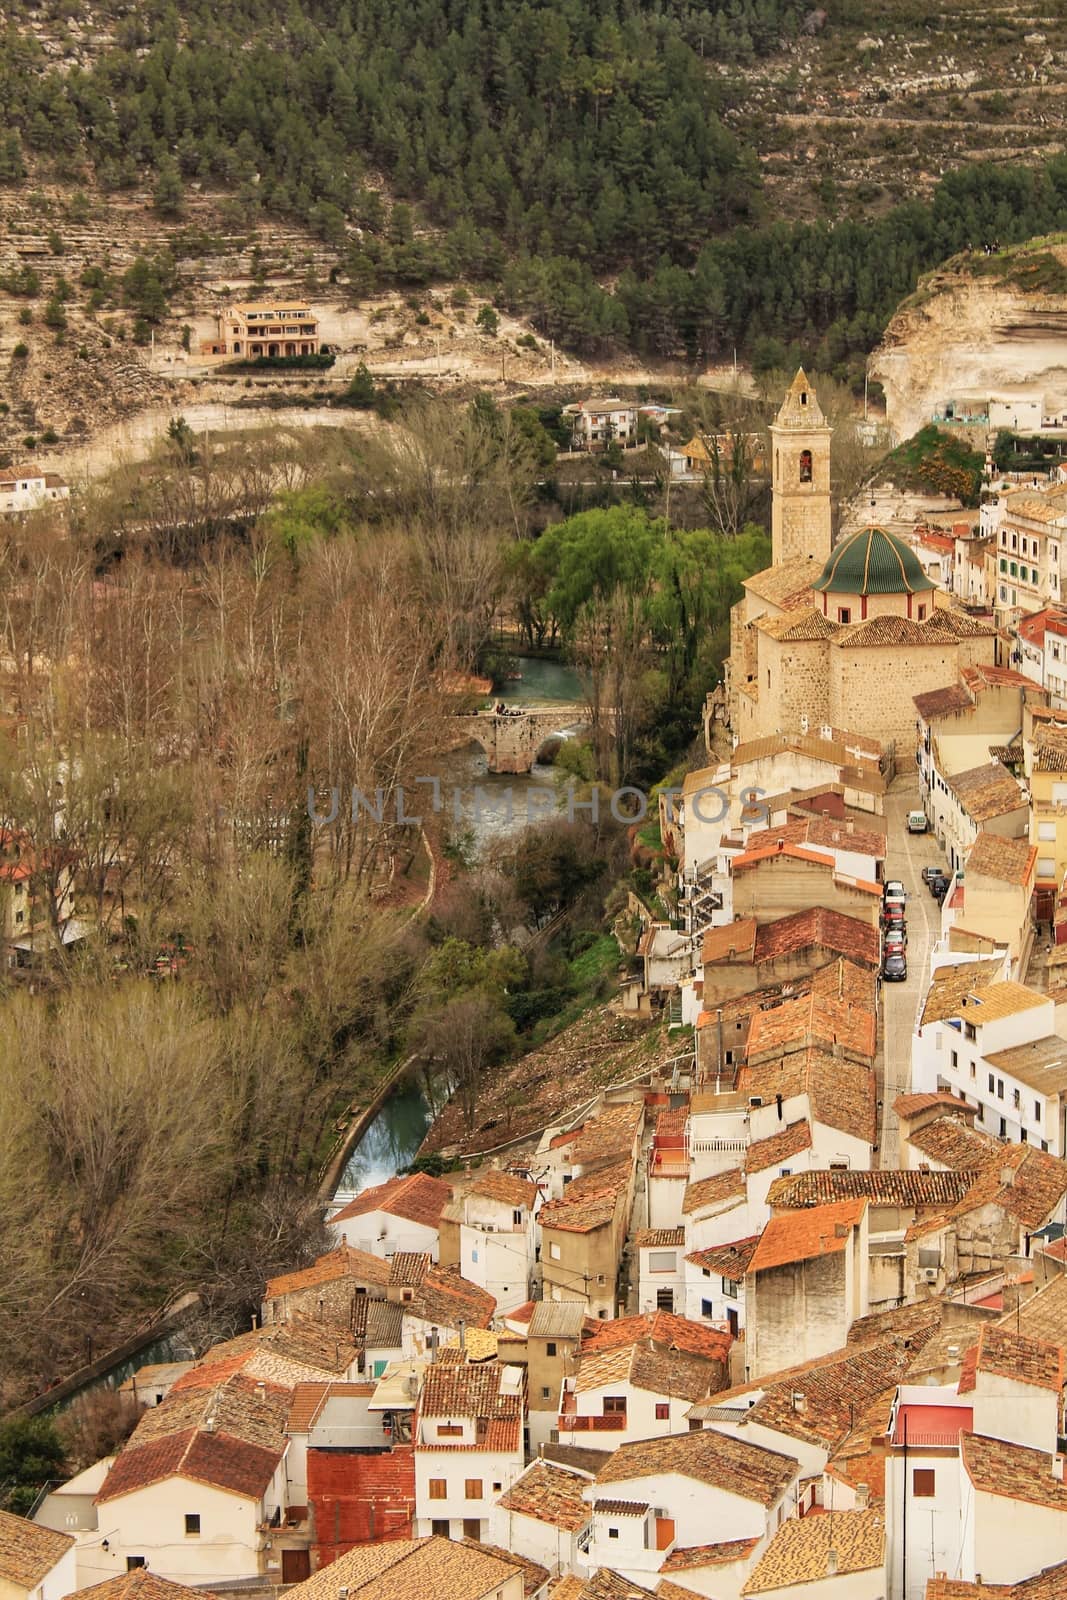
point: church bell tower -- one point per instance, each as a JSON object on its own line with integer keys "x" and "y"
{"x": 800, "y": 478}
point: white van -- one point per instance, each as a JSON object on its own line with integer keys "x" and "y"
{"x": 917, "y": 822}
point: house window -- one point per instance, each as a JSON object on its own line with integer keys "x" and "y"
{"x": 663, "y": 1411}
{"x": 805, "y": 466}
{"x": 662, "y": 1260}
{"x": 613, "y": 1533}
{"x": 553, "y": 1251}
{"x": 1037, "y": 1110}
{"x": 729, "y": 1288}
{"x": 1000, "y": 1088}
{"x": 192, "y": 1523}
{"x": 409, "y": 1294}
{"x": 614, "y": 1405}
{"x": 844, "y": 614}
{"x": 472, "y": 1489}
{"x": 664, "y": 1299}
{"x": 1016, "y": 1098}
{"x": 706, "y": 1308}
{"x": 438, "y": 1489}
{"x": 955, "y": 1056}
{"x": 472, "y": 1529}
{"x": 545, "y": 1393}
{"x": 133, "y": 1562}
{"x": 550, "y": 1348}
{"x": 991, "y": 1083}
{"x": 516, "y": 1217}
{"x": 440, "y": 1526}
{"x": 497, "y": 1488}
{"x": 1003, "y": 1128}
{"x": 450, "y": 1430}
{"x": 922, "y": 1483}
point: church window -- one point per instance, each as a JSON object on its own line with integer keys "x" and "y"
{"x": 803, "y": 397}
{"x": 805, "y": 466}
{"x": 922, "y": 613}
{"x": 844, "y": 614}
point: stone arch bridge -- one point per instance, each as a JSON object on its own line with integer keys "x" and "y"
{"x": 514, "y": 737}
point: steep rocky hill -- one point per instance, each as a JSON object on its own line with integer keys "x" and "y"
{"x": 980, "y": 326}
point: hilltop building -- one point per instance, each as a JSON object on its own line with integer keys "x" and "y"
{"x": 837, "y": 636}
{"x": 264, "y": 328}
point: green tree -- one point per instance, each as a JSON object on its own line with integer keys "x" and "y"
{"x": 31, "y": 1452}
{"x": 487, "y": 320}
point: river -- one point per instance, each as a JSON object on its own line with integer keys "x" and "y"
{"x": 393, "y": 1138}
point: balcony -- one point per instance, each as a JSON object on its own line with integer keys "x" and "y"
{"x": 570, "y": 1422}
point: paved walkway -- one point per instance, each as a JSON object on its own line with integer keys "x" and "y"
{"x": 906, "y": 856}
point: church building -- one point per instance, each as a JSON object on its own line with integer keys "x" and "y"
{"x": 840, "y": 635}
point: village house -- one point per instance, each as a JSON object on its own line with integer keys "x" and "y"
{"x": 545, "y": 1517}
{"x": 596, "y": 424}
{"x": 36, "y": 1563}
{"x": 468, "y": 1446}
{"x": 605, "y": 1139}
{"x": 661, "y": 1270}
{"x": 547, "y": 1348}
{"x": 328, "y": 1288}
{"x": 638, "y": 1389}
{"x": 779, "y": 878}
{"x": 489, "y": 1233}
{"x": 140, "y": 1584}
{"x": 1041, "y": 646}
{"x": 28, "y": 488}
{"x": 403, "y": 1214}
{"x": 253, "y": 329}
{"x": 807, "y": 1282}
{"x": 582, "y": 1237}
{"x": 151, "y": 1384}
{"x": 747, "y": 955}
{"x": 992, "y": 906}
{"x": 1045, "y": 766}
{"x": 715, "y": 1283}
{"x": 842, "y": 1557}
{"x": 1029, "y": 537}
{"x": 441, "y": 1568}
{"x": 685, "y": 1490}
{"x": 994, "y": 1043}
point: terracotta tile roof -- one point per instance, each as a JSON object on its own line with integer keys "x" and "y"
{"x": 608, "y": 1136}
{"x": 621, "y": 1508}
{"x": 952, "y": 1143}
{"x": 1050, "y": 749}
{"x": 416, "y": 1197}
{"x": 298, "y": 1350}
{"x": 28, "y": 1552}
{"x": 885, "y": 1186}
{"x": 712, "y": 1191}
{"x": 846, "y": 983}
{"x": 805, "y": 1235}
{"x": 467, "y": 1391}
{"x": 942, "y": 702}
{"x": 1006, "y": 1354}
{"x": 240, "y": 1406}
{"x": 399, "y": 1569}
{"x": 557, "y": 1319}
{"x": 768, "y": 1152}
{"x": 534, "y": 1576}
{"x": 712, "y": 1458}
{"x": 344, "y": 1262}
{"x": 796, "y": 852}
{"x": 589, "y": 1202}
{"x": 1013, "y": 1471}
{"x": 408, "y": 1268}
{"x": 662, "y": 1327}
{"x": 1007, "y": 860}
{"x": 859, "y": 1458}
{"x": 1044, "y": 1315}
{"x": 655, "y": 1370}
{"x": 305, "y": 1404}
{"x": 841, "y": 1093}
{"x": 377, "y": 1324}
{"x": 987, "y": 791}
{"x": 688, "y": 1557}
{"x": 574, "y": 1458}
{"x": 212, "y": 1458}
{"x": 1037, "y": 1184}
{"x": 505, "y": 1187}
{"x": 658, "y": 1238}
{"x": 910, "y": 1105}
{"x": 820, "y": 833}
{"x": 800, "y": 1550}
{"x": 729, "y": 1260}
{"x": 548, "y": 1494}
{"x": 819, "y": 928}
{"x": 140, "y": 1584}
{"x": 813, "y": 1019}
{"x": 445, "y": 1297}
{"x": 787, "y": 584}
{"x": 734, "y": 941}
{"x": 877, "y": 632}
{"x": 603, "y": 1585}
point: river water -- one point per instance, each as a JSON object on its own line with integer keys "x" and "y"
{"x": 393, "y": 1138}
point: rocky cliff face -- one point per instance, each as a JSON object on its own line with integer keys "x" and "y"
{"x": 976, "y": 329}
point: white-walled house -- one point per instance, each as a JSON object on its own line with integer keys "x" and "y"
{"x": 30, "y": 488}
{"x": 633, "y": 1391}
{"x": 545, "y": 1517}
{"x": 842, "y": 1557}
{"x": 401, "y": 1215}
{"x": 807, "y": 1282}
{"x": 661, "y": 1269}
{"x": 468, "y": 1446}
{"x": 1014, "y": 1510}
{"x": 685, "y": 1490}
{"x": 715, "y": 1283}
{"x": 36, "y": 1563}
{"x": 195, "y": 1486}
{"x": 489, "y": 1231}
{"x": 1014, "y": 1386}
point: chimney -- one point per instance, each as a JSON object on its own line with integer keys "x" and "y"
{"x": 462, "y": 1336}
{"x": 800, "y": 1402}
{"x": 1007, "y": 1177}
{"x": 831, "y": 1563}
{"x": 433, "y": 1345}
{"x": 863, "y": 1495}
{"x": 953, "y": 1352}
{"x": 1057, "y": 1467}
{"x": 261, "y": 1390}
{"x": 255, "y": 1322}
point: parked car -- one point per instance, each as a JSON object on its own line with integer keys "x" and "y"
{"x": 894, "y": 890}
{"x": 917, "y": 822}
{"x": 895, "y": 966}
{"x": 930, "y": 873}
{"x": 940, "y": 887}
{"x": 896, "y": 937}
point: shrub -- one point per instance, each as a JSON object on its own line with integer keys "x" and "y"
{"x": 20, "y": 352}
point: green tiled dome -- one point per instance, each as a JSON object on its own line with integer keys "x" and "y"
{"x": 872, "y": 562}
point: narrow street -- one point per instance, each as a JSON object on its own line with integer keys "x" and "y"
{"x": 906, "y": 856}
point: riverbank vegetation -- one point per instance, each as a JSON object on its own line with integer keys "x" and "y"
{"x": 217, "y": 952}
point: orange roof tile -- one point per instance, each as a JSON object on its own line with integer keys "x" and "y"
{"x": 803, "y": 1235}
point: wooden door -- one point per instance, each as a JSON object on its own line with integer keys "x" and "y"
{"x": 296, "y": 1565}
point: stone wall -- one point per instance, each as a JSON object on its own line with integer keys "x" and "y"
{"x": 872, "y": 689}
{"x": 797, "y": 1312}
